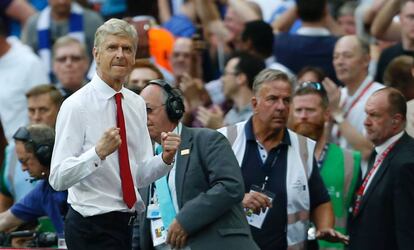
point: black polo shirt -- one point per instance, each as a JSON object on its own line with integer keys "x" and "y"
{"x": 272, "y": 235}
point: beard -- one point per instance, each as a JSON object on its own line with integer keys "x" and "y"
{"x": 311, "y": 130}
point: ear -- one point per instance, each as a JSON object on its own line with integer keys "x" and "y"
{"x": 327, "y": 115}
{"x": 241, "y": 79}
{"x": 254, "y": 103}
{"x": 248, "y": 44}
{"x": 96, "y": 54}
{"x": 367, "y": 60}
{"x": 397, "y": 119}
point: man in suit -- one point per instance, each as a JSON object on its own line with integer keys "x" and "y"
{"x": 383, "y": 216}
{"x": 205, "y": 183}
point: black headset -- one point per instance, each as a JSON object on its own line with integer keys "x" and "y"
{"x": 174, "y": 105}
{"x": 43, "y": 151}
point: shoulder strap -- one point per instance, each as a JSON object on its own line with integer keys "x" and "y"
{"x": 303, "y": 151}
{"x": 232, "y": 133}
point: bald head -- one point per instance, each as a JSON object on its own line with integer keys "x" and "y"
{"x": 385, "y": 115}
{"x": 351, "y": 60}
{"x": 355, "y": 42}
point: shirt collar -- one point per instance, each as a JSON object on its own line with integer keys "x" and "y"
{"x": 246, "y": 109}
{"x": 270, "y": 60}
{"x": 104, "y": 89}
{"x": 364, "y": 83}
{"x": 313, "y": 31}
{"x": 381, "y": 148}
{"x": 250, "y": 136}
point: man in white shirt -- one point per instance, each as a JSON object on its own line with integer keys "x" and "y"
{"x": 103, "y": 151}
{"x": 20, "y": 70}
{"x": 351, "y": 59}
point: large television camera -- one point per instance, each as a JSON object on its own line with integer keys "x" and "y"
{"x": 37, "y": 239}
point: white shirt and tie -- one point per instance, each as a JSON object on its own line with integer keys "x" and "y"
{"x": 94, "y": 185}
{"x": 380, "y": 150}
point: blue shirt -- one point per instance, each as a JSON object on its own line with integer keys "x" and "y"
{"x": 41, "y": 201}
{"x": 297, "y": 51}
{"x": 180, "y": 26}
{"x": 14, "y": 181}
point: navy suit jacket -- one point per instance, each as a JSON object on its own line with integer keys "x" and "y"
{"x": 386, "y": 217}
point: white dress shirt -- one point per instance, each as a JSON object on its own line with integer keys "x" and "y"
{"x": 20, "y": 70}
{"x": 356, "y": 114}
{"x": 95, "y": 185}
{"x": 380, "y": 150}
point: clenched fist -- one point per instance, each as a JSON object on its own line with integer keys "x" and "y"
{"x": 108, "y": 143}
{"x": 170, "y": 143}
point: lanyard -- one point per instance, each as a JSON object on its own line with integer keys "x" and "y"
{"x": 268, "y": 169}
{"x": 322, "y": 157}
{"x": 356, "y": 100}
{"x": 361, "y": 190}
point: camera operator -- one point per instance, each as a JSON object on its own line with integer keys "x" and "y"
{"x": 34, "y": 146}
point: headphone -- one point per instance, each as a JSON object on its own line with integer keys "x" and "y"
{"x": 174, "y": 105}
{"x": 43, "y": 152}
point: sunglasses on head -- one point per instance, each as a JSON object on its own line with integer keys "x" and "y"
{"x": 313, "y": 85}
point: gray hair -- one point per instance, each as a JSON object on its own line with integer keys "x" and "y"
{"x": 268, "y": 75}
{"x": 363, "y": 45}
{"x": 41, "y": 134}
{"x": 116, "y": 27}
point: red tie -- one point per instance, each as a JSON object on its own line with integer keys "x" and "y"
{"x": 128, "y": 190}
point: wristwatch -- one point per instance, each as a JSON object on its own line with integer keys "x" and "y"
{"x": 338, "y": 117}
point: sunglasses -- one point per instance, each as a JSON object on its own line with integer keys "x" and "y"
{"x": 73, "y": 58}
{"x": 312, "y": 85}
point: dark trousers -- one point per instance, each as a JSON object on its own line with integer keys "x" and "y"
{"x": 105, "y": 231}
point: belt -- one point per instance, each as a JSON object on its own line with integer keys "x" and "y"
{"x": 115, "y": 216}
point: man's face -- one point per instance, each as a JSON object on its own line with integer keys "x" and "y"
{"x": 309, "y": 76}
{"x": 229, "y": 77}
{"x": 347, "y": 23}
{"x": 42, "y": 110}
{"x": 308, "y": 116}
{"x": 157, "y": 119}
{"x": 115, "y": 58}
{"x": 29, "y": 162}
{"x": 378, "y": 122}
{"x": 271, "y": 104}
{"x": 60, "y": 8}
{"x": 70, "y": 66}
{"x": 140, "y": 77}
{"x": 349, "y": 61}
{"x": 234, "y": 24}
{"x": 407, "y": 20}
{"x": 181, "y": 56}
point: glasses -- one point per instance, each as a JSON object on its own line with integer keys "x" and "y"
{"x": 312, "y": 85}
{"x": 73, "y": 58}
{"x": 152, "y": 109}
{"x": 25, "y": 160}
